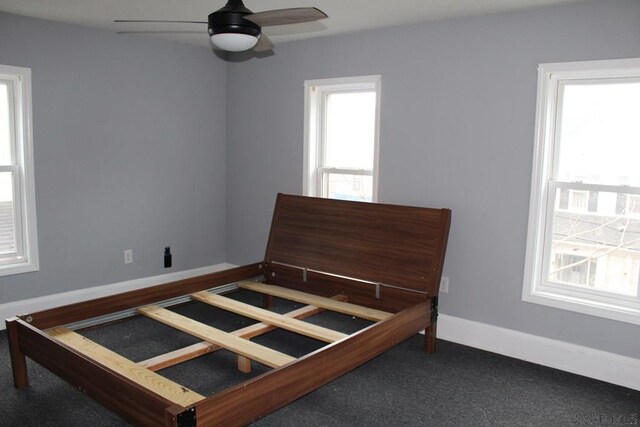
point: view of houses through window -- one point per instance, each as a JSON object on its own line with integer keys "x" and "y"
{"x": 595, "y": 239}
{"x": 583, "y": 244}
{"x": 596, "y": 244}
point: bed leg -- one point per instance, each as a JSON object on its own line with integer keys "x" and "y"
{"x": 430, "y": 331}
{"x": 267, "y": 301}
{"x": 18, "y": 359}
{"x": 244, "y": 364}
{"x": 430, "y": 338}
{"x": 178, "y": 416}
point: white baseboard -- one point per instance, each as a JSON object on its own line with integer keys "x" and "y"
{"x": 601, "y": 365}
{"x": 31, "y": 305}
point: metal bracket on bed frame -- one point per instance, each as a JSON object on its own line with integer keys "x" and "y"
{"x": 186, "y": 418}
{"x": 434, "y": 309}
{"x": 305, "y": 272}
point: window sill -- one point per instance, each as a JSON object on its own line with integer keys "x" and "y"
{"x": 18, "y": 268}
{"x": 611, "y": 311}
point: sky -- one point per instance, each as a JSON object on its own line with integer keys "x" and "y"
{"x": 600, "y": 133}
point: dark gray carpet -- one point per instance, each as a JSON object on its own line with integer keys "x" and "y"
{"x": 457, "y": 386}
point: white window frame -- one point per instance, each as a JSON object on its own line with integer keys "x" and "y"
{"x": 536, "y": 288}
{"x": 315, "y": 91}
{"x": 25, "y": 258}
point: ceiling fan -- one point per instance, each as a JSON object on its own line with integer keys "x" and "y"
{"x": 235, "y": 28}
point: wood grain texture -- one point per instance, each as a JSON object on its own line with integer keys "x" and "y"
{"x": 246, "y": 402}
{"x": 180, "y": 355}
{"x": 131, "y": 401}
{"x": 125, "y": 367}
{"x": 18, "y": 359}
{"x": 244, "y": 364}
{"x": 318, "y": 301}
{"x": 195, "y": 350}
{"x": 266, "y": 316}
{"x": 226, "y": 340}
{"x": 392, "y": 244}
{"x": 128, "y": 300}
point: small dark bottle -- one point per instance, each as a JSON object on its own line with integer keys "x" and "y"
{"x": 167, "y": 257}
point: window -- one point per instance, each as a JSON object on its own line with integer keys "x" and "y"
{"x": 583, "y": 248}
{"x": 18, "y": 242}
{"x": 341, "y": 138}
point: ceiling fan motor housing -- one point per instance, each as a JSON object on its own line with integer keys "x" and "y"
{"x": 230, "y": 19}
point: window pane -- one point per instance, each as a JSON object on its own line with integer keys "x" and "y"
{"x": 633, "y": 204}
{"x": 578, "y": 200}
{"x": 600, "y": 134}
{"x": 574, "y": 269}
{"x": 350, "y": 124}
{"x": 5, "y": 141}
{"x": 349, "y": 187}
{"x": 600, "y": 249}
{"x": 7, "y": 221}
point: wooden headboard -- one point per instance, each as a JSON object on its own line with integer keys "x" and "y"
{"x": 384, "y": 256}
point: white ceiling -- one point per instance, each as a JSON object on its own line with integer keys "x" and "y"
{"x": 344, "y": 15}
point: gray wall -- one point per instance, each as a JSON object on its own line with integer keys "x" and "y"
{"x": 129, "y": 138}
{"x": 458, "y": 107}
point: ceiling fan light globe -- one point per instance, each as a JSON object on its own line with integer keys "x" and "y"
{"x": 234, "y": 42}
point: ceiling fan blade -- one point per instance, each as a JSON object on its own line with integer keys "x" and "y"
{"x": 295, "y": 15}
{"x": 264, "y": 44}
{"x": 161, "y": 32}
{"x": 151, "y": 20}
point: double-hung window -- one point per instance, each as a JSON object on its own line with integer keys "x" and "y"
{"x": 341, "y": 138}
{"x": 583, "y": 248}
{"x": 18, "y": 242}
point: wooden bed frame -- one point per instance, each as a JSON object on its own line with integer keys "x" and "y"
{"x": 385, "y": 260}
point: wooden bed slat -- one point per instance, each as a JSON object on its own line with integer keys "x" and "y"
{"x": 180, "y": 355}
{"x": 125, "y": 367}
{"x": 326, "y": 303}
{"x": 246, "y": 402}
{"x": 226, "y": 340}
{"x": 195, "y": 350}
{"x": 266, "y": 316}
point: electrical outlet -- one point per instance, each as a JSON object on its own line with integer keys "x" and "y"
{"x": 128, "y": 256}
{"x": 444, "y": 285}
